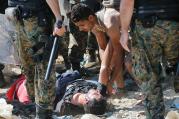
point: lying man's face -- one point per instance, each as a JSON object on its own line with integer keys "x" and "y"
{"x": 95, "y": 102}
{"x": 86, "y": 25}
{"x": 93, "y": 94}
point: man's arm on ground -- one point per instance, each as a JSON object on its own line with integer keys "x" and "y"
{"x": 126, "y": 11}
{"x": 104, "y": 55}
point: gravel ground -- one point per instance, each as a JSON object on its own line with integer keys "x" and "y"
{"x": 128, "y": 107}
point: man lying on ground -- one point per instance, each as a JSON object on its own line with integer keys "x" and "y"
{"x": 88, "y": 94}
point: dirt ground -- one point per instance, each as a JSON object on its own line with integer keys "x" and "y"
{"x": 128, "y": 107}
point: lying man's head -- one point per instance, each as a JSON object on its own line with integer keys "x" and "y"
{"x": 96, "y": 103}
{"x": 83, "y": 17}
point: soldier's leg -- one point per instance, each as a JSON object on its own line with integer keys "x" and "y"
{"x": 146, "y": 53}
{"x": 23, "y": 44}
{"x": 171, "y": 51}
{"x": 77, "y": 51}
{"x": 150, "y": 84}
{"x": 44, "y": 90}
{"x": 63, "y": 50}
{"x": 2, "y": 81}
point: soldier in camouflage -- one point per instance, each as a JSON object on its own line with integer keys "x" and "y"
{"x": 155, "y": 36}
{"x": 33, "y": 22}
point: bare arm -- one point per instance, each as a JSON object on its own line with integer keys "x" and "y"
{"x": 104, "y": 51}
{"x": 126, "y": 11}
{"x": 112, "y": 23}
{"x": 54, "y": 5}
{"x": 114, "y": 35}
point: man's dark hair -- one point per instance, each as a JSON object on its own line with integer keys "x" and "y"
{"x": 80, "y": 12}
{"x": 97, "y": 107}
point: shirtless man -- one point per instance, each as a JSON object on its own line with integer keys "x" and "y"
{"x": 106, "y": 27}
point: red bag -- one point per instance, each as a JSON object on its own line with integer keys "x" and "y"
{"x": 18, "y": 91}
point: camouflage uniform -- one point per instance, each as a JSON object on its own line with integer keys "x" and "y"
{"x": 30, "y": 32}
{"x": 149, "y": 45}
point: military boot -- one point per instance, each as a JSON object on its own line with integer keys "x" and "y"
{"x": 43, "y": 113}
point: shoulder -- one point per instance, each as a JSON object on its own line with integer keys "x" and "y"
{"x": 111, "y": 13}
{"x": 111, "y": 18}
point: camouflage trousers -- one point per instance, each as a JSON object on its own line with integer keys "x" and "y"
{"x": 148, "y": 46}
{"x": 29, "y": 34}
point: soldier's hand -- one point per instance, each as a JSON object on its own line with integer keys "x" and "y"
{"x": 59, "y": 31}
{"x": 59, "y": 28}
{"x": 124, "y": 40}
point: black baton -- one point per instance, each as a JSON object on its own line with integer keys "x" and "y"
{"x": 52, "y": 57}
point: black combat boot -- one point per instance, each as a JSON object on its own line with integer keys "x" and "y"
{"x": 43, "y": 113}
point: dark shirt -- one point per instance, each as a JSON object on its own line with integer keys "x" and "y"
{"x": 80, "y": 86}
{"x": 69, "y": 84}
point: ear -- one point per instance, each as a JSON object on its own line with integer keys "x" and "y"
{"x": 91, "y": 18}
